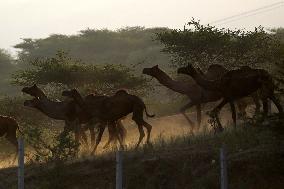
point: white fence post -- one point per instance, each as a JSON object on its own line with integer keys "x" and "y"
{"x": 223, "y": 163}
{"x": 21, "y": 158}
{"x": 119, "y": 169}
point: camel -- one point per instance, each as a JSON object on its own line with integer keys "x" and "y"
{"x": 109, "y": 109}
{"x": 236, "y": 84}
{"x": 70, "y": 113}
{"x": 195, "y": 93}
{"x": 8, "y": 128}
{"x": 241, "y": 104}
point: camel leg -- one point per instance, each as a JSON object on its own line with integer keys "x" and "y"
{"x": 265, "y": 106}
{"x": 73, "y": 126}
{"x": 198, "y": 114}
{"x": 101, "y": 131}
{"x": 277, "y": 103}
{"x": 183, "y": 109}
{"x": 121, "y": 131}
{"x": 233, "y": 109}
{"x": 142, "y": 134}
{"x": 77, "y": 131}
{"x": 149, "y": 129}
{"x": 255, "y": 99}
{"x": 84, "y": 138}
{"x": 269, "y": 105}
{"x": 241, "y": 104}
{"x": 93, "y": 136}
{"x": 119, "y": 134}
{"x": 112, "y": 133}
{"x": 215, "y": 113}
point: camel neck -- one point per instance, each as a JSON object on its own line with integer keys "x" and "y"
{"x": 79, "y": 100}
{"x": 55, "y": 110}
{"x": 212, "y": 85}
{"x": 174, "y": 85}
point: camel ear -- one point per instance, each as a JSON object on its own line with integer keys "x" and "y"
{"x": 34, "y": 85}
{"x": 157, "y": 66}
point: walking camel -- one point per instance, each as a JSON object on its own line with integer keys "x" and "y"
{"x": 113, "y": 108}
{"x": 241, "y": 103}
{"x": 8, "y": 128}
{"x": 195, "y": 93}
{"x": 234, "y": 85}
{"x": 68, "y": 111}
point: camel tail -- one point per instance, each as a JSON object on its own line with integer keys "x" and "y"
{"x": 147, "y": 114}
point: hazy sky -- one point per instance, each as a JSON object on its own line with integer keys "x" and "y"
{"x": 40, "y": 18}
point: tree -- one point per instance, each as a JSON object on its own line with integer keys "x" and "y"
{"x": 124, "y": 46}
{"x": 6, "y": 65}
{"x": 65, "y": 70}
{"x": 205, "y": 45}
{"x": 279, "y": 70}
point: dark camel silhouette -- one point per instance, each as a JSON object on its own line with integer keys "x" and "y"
{"x": 242, "y": 103}
{"x": 111, "y": 108}
{"x": 8, "y": 128}
{"x": 68, "y": 111}
{"x": 195, "y": 93}
{"x": 236, "y": 84}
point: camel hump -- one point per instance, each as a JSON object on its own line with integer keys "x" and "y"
{"x": 121, "y": 91}
{"x": 215, "y": 71}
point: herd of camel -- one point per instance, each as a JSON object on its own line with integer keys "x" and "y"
{"x": 96, "y": 112}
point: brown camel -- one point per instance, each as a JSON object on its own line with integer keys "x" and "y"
{"x": 8, "y": 128}
{"x": 242, "y": 103}
{"x": 196, "y": 94}
{"x": 112, "y": 108}
{"x": 68, "y": 111}
{"x": 236, "y": 84}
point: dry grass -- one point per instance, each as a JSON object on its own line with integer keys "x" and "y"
{"x": 176, "y": 160}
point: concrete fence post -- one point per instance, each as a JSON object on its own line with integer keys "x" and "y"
{"x": 119, "y": 169}
{"x": 21, "y": 158}
{"x": 223, "y": 165}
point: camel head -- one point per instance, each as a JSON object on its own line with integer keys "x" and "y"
{"x": 31, "y": 103}
{"x": 33, "y": 91}
{"x": 188, "y": 70}
{"x": 73, "y": 93}
{"x": 151, "y": 71}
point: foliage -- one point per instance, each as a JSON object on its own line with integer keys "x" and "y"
{"x": 5, "y": 62}
{"x": 205, "y": 45}
{"x": 7, "y": 66}
{"x": 124, "y": 46}
{"x": 65, "y": 70}
{"x": 254, "y": 159}
{"x": 279, "y": 71}
{"x": 60, "y": 148}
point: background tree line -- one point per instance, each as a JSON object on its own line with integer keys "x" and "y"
{"x": 105, "y": 60}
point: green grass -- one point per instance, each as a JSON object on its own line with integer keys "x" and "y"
{"x": 255, "y": 161}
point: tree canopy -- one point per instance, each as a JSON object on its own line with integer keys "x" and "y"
{"x": 205, "y": 44}
{"x": 6, "y": 65}
{"x": 65, "y": 70}
{"x": 124, "y": 46}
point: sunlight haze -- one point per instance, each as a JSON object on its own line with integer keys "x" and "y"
{"x": 39, "y": 19}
